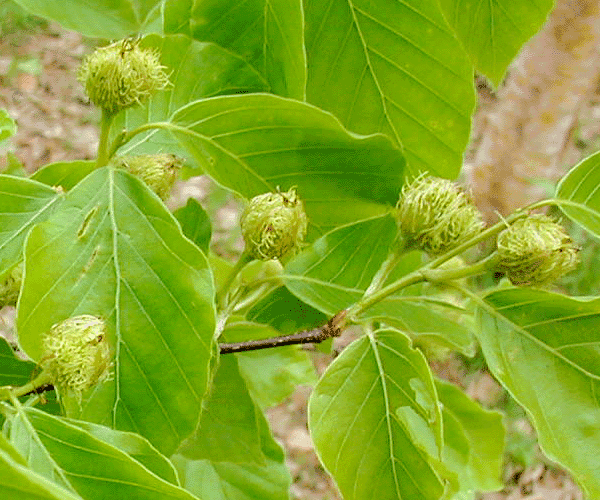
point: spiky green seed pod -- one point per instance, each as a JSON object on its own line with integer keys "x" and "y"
{"x": 158, "y": 171}
{"x": 11, "y": 287}
{"x": 535, "y": 250}
{"x": 435, "y": 215}
{"x": 274, "y": 224}
{"x": 76, "y": 354}
{"x": 122, "y": 75}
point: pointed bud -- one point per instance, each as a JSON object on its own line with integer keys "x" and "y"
{"x": 158, "y": 172}
{"x": 121, "y": 75}
{"x": 435, "y": 215}
{"x": 535, "y": 251}
{"x": 273, "y": 224}
{"x": 76, "y": 354}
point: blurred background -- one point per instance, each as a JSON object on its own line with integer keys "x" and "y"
{"x": 526, "y": 135}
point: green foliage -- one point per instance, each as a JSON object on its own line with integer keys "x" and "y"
{"x": 103, "y": 19}
{"x": 542, "y": 347}
{"x": 114, "y": 251}
{"x": 255, "y": 143}
{"x": 8, "y": 128}
{"x": 577, "y": 197}
{"x": 493, "y": 32}
{"x": 473, "y": 439}
{"x": 82, "y": 462}
{"x": 195, "y": 223}
{"x": 66, "y": 174}
{"x": 394, "y": 68}
{"x": 374, "y": 419}
{"x": 271, "y": 41}
{"x": 23, "y": 204}
{"x": 14, "y": 18}
{"x": 343, "y": 101}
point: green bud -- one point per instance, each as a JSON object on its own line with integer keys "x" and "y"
{"x": 435, "y": 215}
{"x": 76, "y": 354}
{"x": 121, "y": 75}
{"x": 536, "y": 250}
{"x": 158, "y": 171}
{"x": 273, "y": 224}
{"x": 11, "y": 287}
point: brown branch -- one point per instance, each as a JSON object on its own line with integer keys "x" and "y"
{"x": 333, "y": 328}
{"x": 40, "y": 390}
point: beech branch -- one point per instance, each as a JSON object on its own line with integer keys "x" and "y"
{"x": 333, "y": 328}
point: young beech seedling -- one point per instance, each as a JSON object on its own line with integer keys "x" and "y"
{"x": 435, "y": 215}
{"x": 274, "y": 224}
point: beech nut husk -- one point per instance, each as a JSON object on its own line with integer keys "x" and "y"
{"x": 158, "y": 171}
{"x": 535, "y": 251}
{"x": 274, "y": 224}
{"x": 76, "y": 354}
{"x": 122, "y": 75}
{"x": 435, "y": 215}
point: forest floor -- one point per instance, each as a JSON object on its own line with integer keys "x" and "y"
{"x": 38, "y": 62}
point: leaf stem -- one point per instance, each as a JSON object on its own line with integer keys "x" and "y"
{"x": 387, "y": 267}
{"x": 126, "y": 135}
{"x": 442, "y": 275}
{"x": 103, "y": 152}
{"x": 41, "y": 383}
{"x": 244, "y": 259}
{"x": 421, "y": 274}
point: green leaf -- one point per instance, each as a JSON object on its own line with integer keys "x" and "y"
{"x": 65, "y": 174}
{"x": 228, "y": 481}
{"x": 10, "y": 451}
{"x": 23, "y": 203}
{"x": 195, "y": 223}
{"x": 115, "y": 251}
{"x": 543, "y": 347}
{"x": 8, "y": 127}
{"x": 394, "y": 68}
{"x": 254, "y": 143}
{"x": 228, "y": 428}
{"x": 271, "y": 374}
{"x": 17, "y": 482}
{"x": 578, "y": 191}
{"x": 285, "y": 312}
{"x": 288, "y": 314}
{"x": 493, "y": 32}
{"x": 13, "y": 371}
{"x": 473, "y": 440}
{"x": 14, "y": 166}
{"x": 99, "y": 19}
{"x": 133, "y": 445}
{"x": 335, "y": 270}
{"x": 197, "y": 70}
{"x": 375, "y": 420}
{"x": 426, "y": 319}
{"x": 271, "y": 40}
{"x": 63, "y": 452}
{"x": 176, "y": 17}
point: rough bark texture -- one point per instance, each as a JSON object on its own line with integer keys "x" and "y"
{"x": 526, "y": 134}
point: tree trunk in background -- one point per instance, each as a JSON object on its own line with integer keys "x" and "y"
{"x": 525, "y": 135}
